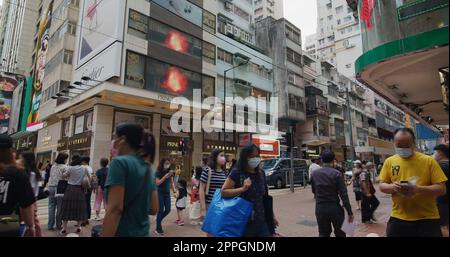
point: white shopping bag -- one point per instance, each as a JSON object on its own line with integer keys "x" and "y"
{"x": 194, "y": 212}
{"x": 348, "y": 228}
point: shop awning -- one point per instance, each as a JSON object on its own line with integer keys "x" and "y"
{"x": 21, "y": 134}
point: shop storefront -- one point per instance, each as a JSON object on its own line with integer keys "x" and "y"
{"x": 77, "y": 145}
{"x": 25, "y": 142}
{"x": 169, "y": 146}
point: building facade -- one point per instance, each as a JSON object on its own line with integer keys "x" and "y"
{"x": 281, "y": 40}
{"x": 17, "y": 28}
{"x": 268, "y": 8}
{"x": 128, "y": 68}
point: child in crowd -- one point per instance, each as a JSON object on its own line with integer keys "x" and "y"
{"x": 181, "y": 201}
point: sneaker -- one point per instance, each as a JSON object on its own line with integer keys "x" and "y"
{"x": 97, "y": 218}
{"x": 180, "y": 223}
{"x": 159, "y": 232}
{"x": 176, "y": 222}
{"x": 368, "y": 222}
{"x": 194, "y": 223}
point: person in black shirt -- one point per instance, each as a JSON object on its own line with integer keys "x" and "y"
{"x": 441, "y": 155}
{"x": 15, "y": 191}
{"x": 328, "y": 186}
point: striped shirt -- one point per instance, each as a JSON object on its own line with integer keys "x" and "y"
{"x": 217, "y": 181}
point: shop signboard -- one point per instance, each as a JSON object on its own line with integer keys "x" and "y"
{"x": 267, "y": 147}
{"x": 11, "y": 86}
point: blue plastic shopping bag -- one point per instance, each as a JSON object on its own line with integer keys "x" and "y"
{"x": 227, "y": 217}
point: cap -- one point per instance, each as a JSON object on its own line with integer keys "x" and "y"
{"x": 6, "y": 142}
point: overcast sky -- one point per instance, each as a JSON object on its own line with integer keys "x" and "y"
{"x": 303, "y": 14}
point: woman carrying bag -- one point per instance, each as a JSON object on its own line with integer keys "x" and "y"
{"x": 73, "y": 206}
{"x": 248, "y": 182}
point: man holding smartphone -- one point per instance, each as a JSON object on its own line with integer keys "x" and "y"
{"x": 414, "y": 180}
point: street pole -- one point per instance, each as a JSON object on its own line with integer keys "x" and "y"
{"x": 291, "y": 146}
{"x": 349, "y": 111}
{"x": 224, "y": 101}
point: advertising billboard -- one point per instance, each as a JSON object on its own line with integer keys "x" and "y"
{"x": 99, "y": 39}
{"x": 8, "y": 85}
{"x": 184, "y": 9}
{"x": 33, "y": 122}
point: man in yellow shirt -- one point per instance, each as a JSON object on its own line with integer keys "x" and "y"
{"x": 414, "y": 180}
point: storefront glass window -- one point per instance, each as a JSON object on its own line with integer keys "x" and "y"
{"x": 66, "y": 128}
{"x": 123, "y": 117}
{"x": 79, "y": 124}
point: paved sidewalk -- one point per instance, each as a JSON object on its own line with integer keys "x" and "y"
{"x": 295, "y": 213}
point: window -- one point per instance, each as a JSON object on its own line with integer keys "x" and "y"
{"x": 296, "y": 103}
{"x": 348, "y": 66}
{"x": 339, "y": 22}
{"x": 330, "y": 17}
{"x": 224, "y": 56}
{"x": 348, "y": 18}
{"x": 138, "y": 24}
{"x": 209, "y": 22}
{"x": 293, "y": 56}
{"x": 68, "y": 56}
{"x": 208, "y": 86}
{"x": 65, "y": 132}
{"x": 174, "y": 39}
{"x": 293, "y": 35}
{"x": 339, "y": 9}
{"x": 209, "y": 52}
{"x": 135, "y": 70}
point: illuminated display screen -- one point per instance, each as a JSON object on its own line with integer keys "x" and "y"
{"x": 174, "y": 39}
{"x": 168, "y": 79}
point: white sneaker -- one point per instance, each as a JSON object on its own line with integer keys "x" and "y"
{"x": 97, "y": 218}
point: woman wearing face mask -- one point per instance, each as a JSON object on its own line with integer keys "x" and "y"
{"x": 212, "y": 178}
{"x": 130, "y": 184}
{"x": 164, "y": 181}
{"x": 248, "y": 181}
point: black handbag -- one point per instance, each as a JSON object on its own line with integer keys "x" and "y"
{"x": 62, "y": 186}
{"x": 268, "y": 211}
{"x": 42, "y": 194}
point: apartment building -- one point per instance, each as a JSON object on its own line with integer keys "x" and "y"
{"x": 269, "y": 8}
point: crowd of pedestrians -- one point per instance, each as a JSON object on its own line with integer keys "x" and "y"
{"x": 130, "y": 191}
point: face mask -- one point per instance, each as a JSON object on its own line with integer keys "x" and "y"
{"x": 166, "y": 166}
{"x": 404, "y": 152}
{"x": 221, "y": 160}
{"x": 112, "y": 149}
{"x": 254, "y": 162}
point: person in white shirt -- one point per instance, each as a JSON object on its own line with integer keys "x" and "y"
{"x": 314, "y": 166}
{"x": 85, "y": 164}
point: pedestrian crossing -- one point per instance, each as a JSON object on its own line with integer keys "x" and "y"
{"x": 43, "y": 205}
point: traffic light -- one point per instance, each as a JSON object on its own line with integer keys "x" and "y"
{"x": 287, "y": 139}
{"x": 183, "y": 146}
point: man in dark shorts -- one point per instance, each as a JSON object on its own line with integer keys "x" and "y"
{"x": 441, "y": 156}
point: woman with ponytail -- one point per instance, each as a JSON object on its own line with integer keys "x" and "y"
{"x": 130, "y": 185}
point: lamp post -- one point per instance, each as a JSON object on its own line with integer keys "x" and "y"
{"x": 225, "y": 92}
{"x": 349, "y": 112}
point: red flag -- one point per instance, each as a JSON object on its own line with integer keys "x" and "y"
{"x": 366, "y": 12}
